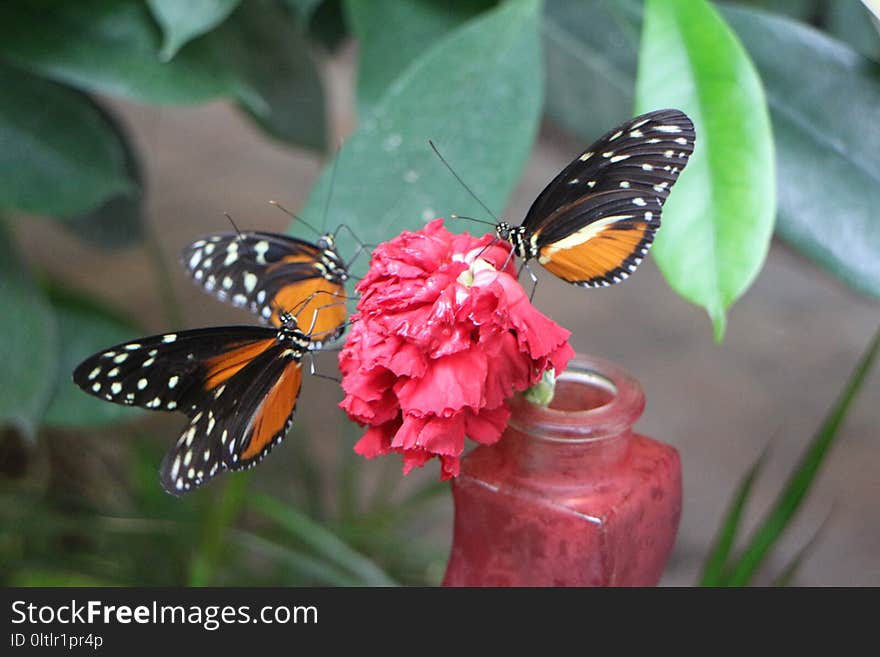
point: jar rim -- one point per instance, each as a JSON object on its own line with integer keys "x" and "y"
{"x": 590, "y": 424}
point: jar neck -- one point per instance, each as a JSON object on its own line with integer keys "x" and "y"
{"x": 587, "y": 425}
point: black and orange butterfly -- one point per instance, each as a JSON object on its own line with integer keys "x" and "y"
{"x": 238, "y": 385}
{"x": 266, "y": 272}
{"x": 595, "y": 221}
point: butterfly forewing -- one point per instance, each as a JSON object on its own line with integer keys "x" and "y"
{"x": 265, "y": 272}
{"x": 162, "y": 372}
{"x": 646, "y": 153}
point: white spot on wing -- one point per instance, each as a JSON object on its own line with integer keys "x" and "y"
{"x": 260, "y": 248}
{"x": 250, "y": 281}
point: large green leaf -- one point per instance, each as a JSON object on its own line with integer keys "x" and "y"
{"x": 58, "y": 153}
{"x": 591, "y": 50}
{"x": 798, "y": 484}
{"x": 184, "y": 21}
{"x": 825, "y": 103}
{"x": 279, "y": 84}
{"x": 393, "y": 33}
{"x": 110, "y": 46}
{"x": 28, "y": 348}
{"x": 719, "y": 218}
{"x": 84, "y": 327}
{"x": 477, "y": 93}
{"x": 258, "y": 56}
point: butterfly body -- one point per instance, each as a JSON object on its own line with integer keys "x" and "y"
{"x": 269, "y": 272}
{"x": 594, "y": 222}
{"x": 237, "y": 385}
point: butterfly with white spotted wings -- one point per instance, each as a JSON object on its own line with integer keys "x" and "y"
{"x": 238, "y": 385}
{"x": 268, "y": 271}
{"x": 594, "y": 222}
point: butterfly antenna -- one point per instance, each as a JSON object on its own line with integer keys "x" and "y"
{"x": 229, "y": 217}
{"x": 330, "y": 188}
{"x": 462, "y": 183}
{"x": 295, "y": 217}
{"x": 479, "y": 221}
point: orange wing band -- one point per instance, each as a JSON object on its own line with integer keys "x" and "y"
{"x": 596, "y": 257}
{"x": 274, "y": 411}
{"x": 221, "y": 368}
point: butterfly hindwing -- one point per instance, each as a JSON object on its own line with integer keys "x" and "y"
{"x": 245, "y": 417}
{"x": 601, "y": 240}
{"x": 265, "y": 272}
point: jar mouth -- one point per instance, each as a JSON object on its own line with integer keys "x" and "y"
{"x": 595, "y": 399}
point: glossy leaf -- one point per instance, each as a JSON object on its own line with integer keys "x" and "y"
{"x": 803, "y": 10}
{"x": 184, "y": 21}
{"x": 29, "y": 346}
{"x": 850, "y": 22}
{"x": 58, "y": 153}
{"x": 279, "y": 84}
{"x": 321, "y": 540}
{"x": 84, "y": 327}
{"x": 477, "y": 93}
{"x": 393, "y": 33}
{"x": 119, "y": 221}
{"x": 718, "y": 221}
{"x": 798, "y": 484}
{"x": 717, "y": 560}
{"x": 824, "y": 100}
{"x": 110, "y": 46}
{"x": 591, "y": 51}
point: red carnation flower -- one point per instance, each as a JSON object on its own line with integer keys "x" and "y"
{"x": 442, "y": 340}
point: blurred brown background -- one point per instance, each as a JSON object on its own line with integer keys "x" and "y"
{"x": 792, "y": 339}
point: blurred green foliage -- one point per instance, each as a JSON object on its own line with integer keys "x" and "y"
{"x": 476, "y": 76}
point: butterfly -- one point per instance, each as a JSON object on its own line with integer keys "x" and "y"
{"x": 594, "y": 222}
{"x": 266, "y": 272}
{"x": 238, "y": 385}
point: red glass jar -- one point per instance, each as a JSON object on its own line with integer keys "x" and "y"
{"x": 570, "y": 495}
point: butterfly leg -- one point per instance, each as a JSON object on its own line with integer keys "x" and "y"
{"x": 313, "y": 370}
{"x": 532, "y": 276}
{"x": 362, "y": 246}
